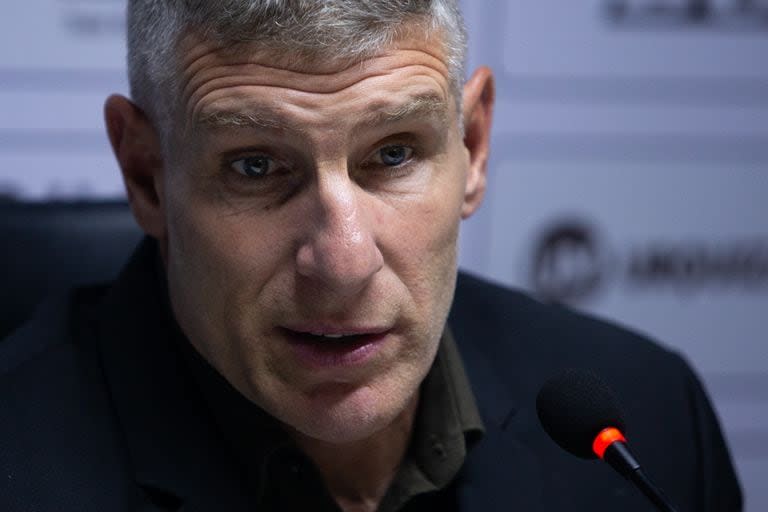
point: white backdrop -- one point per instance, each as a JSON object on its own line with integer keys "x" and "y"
{"x": 629, "y": 173}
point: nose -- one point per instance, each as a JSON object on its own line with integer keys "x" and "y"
{"x": 339, "y": 249}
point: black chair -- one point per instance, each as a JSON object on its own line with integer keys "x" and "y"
{"x": 48, "y": 247}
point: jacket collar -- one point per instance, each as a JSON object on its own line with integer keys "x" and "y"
{"x": 504, "y": 463}
{"x": 175, "y": 452}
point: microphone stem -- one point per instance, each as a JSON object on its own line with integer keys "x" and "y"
{"x": 618, "y": 456}
{"x": 652, "y": 492}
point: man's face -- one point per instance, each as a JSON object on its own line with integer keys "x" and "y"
{"x": 312, "y": 201}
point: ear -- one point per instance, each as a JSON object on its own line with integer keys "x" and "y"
{"x": 137, "y": 148}
{"x": 477, "y": 106}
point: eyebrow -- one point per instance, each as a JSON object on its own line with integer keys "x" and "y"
{"x": 423, "y": 105}
{"x": 271, "y": 118}
{"x": 259, "y": 117}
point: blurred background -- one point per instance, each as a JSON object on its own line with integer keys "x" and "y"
{"x": 629, "y": 173}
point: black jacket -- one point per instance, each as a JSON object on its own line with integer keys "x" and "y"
{"x": 96, "y": 414}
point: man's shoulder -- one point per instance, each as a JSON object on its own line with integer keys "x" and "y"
{"x": 523, "y": 342}
{"x": 50, "y": 353}
{"x": 55, "y": 328}
{"x": 512, "y": 343}
{"x": 50, "y": 362}
{"x": 57, "y": 430}
{"x": 495, "y": 315}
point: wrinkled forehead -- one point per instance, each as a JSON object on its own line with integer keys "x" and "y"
{"x": 214, "y": 74}
{"x": 194, "y": 47}
{"x": 328, "y": 51}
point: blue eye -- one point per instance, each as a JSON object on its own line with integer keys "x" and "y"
{"x": 395, "y": 155}
{"x": 254, "y": 166}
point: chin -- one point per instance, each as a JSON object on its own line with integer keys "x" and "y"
{"x": 353, "y": 416}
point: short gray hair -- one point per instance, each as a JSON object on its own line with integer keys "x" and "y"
{"x": 346, "y": 29}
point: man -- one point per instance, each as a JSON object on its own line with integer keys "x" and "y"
{"x": 281, "y": 340}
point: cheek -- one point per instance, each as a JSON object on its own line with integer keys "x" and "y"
{"x": 221, "y": 270}
{"x": 423, "y": 246}
{"x": 220, "y": 259}
{"x": 218, "y": 234}
{"x": 426, "y": 228}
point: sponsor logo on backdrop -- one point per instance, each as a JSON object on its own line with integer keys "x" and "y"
{"x": 568, "y": 264}
{"x": 714, "y": 14}
{"x": 573, "y": 261}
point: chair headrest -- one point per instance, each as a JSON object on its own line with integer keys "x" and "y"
{"x": 48, "y": 247}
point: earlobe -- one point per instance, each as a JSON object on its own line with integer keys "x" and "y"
{"x": 136, "y": 146}
{"x": 478, "y": 98}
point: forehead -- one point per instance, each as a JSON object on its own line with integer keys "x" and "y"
{"x": 249, "y": 84}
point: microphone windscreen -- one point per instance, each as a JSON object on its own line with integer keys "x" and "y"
{"x": 574, "y": 407}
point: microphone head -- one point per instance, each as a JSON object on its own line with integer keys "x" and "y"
{"x": 574, "y": 407}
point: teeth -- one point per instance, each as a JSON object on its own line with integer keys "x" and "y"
{"x": 334, "y": 336}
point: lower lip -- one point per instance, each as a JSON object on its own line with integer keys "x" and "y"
{"x": 333, "y": 353}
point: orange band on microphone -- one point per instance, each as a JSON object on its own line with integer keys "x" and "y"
{"x": 606, "y": 438}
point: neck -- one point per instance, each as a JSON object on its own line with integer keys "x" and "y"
{"x": 358, "y": 474}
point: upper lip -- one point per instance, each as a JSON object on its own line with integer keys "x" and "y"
{"x": 336, "y": 329}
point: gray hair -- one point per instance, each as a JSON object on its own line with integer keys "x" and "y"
{"x": 345, "y": 29}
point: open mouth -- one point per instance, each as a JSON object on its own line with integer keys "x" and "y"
{"x": 318, "y": 349}
{"x": 308, "y": 337}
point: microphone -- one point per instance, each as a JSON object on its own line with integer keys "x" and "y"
{"x": 581, "y": 414}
